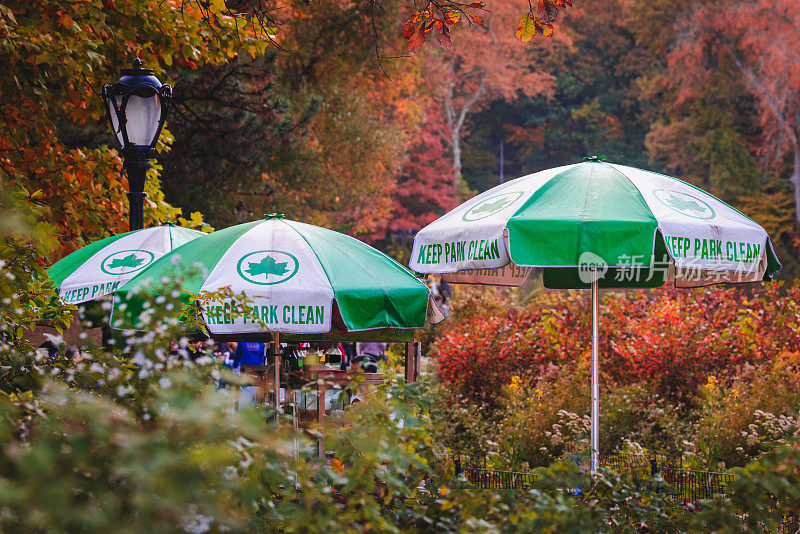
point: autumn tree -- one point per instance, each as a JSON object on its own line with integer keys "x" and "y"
{"x": 759, "y": 39}
{"x": 424, "y": 191}
{"x": 341, "y": 168}
{"x": 55, "y": 57}
{"x": 594, "y": 108}
{"x": 489, "y": 62}
{"x": 228, "y": 121}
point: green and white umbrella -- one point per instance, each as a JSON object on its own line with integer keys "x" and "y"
{"x": 596, "y": 224}
{"x": 102, "y": 267}
{"x": 300, "y": 278}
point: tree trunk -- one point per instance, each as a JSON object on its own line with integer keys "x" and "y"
{"x": 455, "y": 121}
{"x": 455, "y": 145}
{"x": 795, "y": 179}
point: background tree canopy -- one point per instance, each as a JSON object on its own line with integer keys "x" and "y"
{"x": 321, "y": 111}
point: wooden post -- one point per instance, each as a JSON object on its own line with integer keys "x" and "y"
{"x": 276, "y": 361}
{"x": 321, "y": 411}
{"x": 413, "y": 361}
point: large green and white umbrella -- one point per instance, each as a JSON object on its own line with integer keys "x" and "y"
{"x": 300, "y": 279}
{"x": 596, "y": 224}
{"x": 102, "y": 267}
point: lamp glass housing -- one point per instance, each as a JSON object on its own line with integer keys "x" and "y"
{"x": 137, "y": 104}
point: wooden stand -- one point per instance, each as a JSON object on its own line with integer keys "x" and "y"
{"x": 413, "y": 361}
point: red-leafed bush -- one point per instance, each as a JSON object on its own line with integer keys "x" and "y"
{"x": 669, "y": 339}
{"x": 491, "y": 340}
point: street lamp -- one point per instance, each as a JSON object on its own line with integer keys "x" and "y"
{"x": 137, "y": 105}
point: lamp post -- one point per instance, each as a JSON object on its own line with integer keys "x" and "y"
{"x": 137, "y": 105}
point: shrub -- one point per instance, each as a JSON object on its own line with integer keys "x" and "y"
{"x": 743, "y": 419}
{"x": 539, "y": 421}
{"x": 670, "y": 340}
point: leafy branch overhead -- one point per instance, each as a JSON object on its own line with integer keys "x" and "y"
{"x": 441, "y": 15}
{"x": 540, "y": 21}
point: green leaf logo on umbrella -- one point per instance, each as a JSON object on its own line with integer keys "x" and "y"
{"x": 685, "y": 204}
{"x": 126, "y": 261}
{"x": 491, "y": 205}
{"x": 267, "y": 267}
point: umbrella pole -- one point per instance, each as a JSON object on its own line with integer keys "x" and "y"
{"x": 595, "y": 385}
{"x": 276, "y": 360}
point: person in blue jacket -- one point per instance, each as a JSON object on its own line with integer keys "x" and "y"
{"x": 249, "y": 353}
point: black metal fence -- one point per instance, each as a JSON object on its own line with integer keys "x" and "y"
{"x": 494, "y": 479}
{"x": 693, "y": 486}
{"x": 684, "y": 485}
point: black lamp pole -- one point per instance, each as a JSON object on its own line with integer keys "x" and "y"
{"x": 136, "y": 163}
{"x": 137, "y": 105}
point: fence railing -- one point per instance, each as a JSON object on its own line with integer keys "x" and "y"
{"x": 493, "y": 479}
{"x": 685, "y": 485}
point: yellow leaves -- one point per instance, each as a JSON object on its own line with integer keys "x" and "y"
{"x": 452, "y": 17}
{"x": 526, "y": 28}
{"x": 711, "y": 383}
{"x": 530, "y": 25}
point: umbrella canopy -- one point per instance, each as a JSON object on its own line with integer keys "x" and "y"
{"x": 596, "y": 224}
{"x": 301, "y": 279}
{"x": 635, "y": 227}
{"x": 102, "y": 267}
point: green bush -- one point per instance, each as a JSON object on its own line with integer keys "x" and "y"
{"x": 741, "y": 420}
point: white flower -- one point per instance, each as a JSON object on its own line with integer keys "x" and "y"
{"x": 196, "y": 523}
{"x": 138, "y": 359}
{"x": 96, "y": 368}
{"x": 164, "y": 382}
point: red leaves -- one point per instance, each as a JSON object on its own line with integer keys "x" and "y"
{"x": 671, "y": 339}
{"x": 438, "y": 16}
{"x": 445, "y": 41}
{"x": 475, "y": 19}
{"x": 417, "y": 39}
{"x": 409, "y": 29}
{"x": 547, "y": 11}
